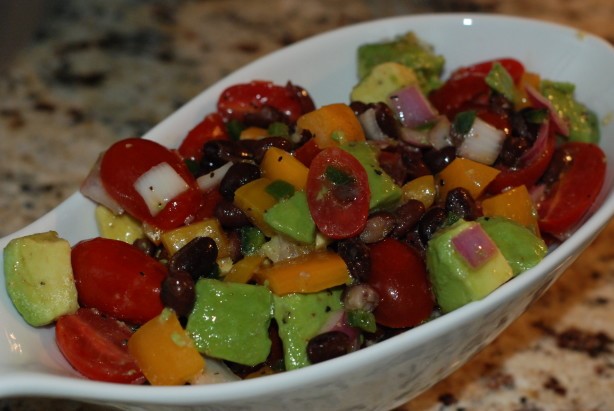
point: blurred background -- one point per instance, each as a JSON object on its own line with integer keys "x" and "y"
{"x": 75, "y": 76}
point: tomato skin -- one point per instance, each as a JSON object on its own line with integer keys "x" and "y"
{"x": 334, "y": 217}
{"x": 307, "y": 152}
{"x": 95, "y": 345}
{"x": 212, "y": 127}
{"x": 248, "y": 98}
{"x": 568, "y": 200}
{"x": 127, "y": 160}
{"x": 399, "y": 276}
{"x": 118, "y": 279}
{"x": 468, "y": 84}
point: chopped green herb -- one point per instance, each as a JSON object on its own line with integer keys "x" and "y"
{"x": 192, "y": 165}
{"x": 500, "y": 80}
{"x": 280, "y": 189}
{"x": 362, "y": 319}
{"x": 278, "y": 129}
{"x": 251, "y": 240}
{"x": 337, "y": 176}
{"x": 464, "y": 121}
{"x": 338, "y": 136}
{"x": 234, "y": 128}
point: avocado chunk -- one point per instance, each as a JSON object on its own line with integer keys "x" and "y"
{"x": 384, "y": 79}
{"x": 292, "y": 218}
{"x": 230, "y": 321}
{"x": 583, "y": 123}
{"x": 408, "y": 50}
{"x": 384, "y": 192}
{"x": 519, "y": 245}
{"x": 455, "y": 282}
{"x": 300, "y": 317}
{"x": 39, "y": 277}
{"x": 117, "y": 227}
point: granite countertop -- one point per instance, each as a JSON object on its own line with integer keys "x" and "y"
{"x": 103, "y": 70}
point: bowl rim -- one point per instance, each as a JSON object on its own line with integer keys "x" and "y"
{"x": 32, "y": 383}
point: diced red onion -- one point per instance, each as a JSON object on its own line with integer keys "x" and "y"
{"x": 213, "y": 178}
{"x": 439, "y": 134}
{"x": 411, "y": 106}
{"x": 368, "y": 120}
{"x": 93, "y": 189}
{"x": 538, "y": 146}
{"x": 540, "y": 101}
{"x": 159, "y": 185}
{"x": 482, "y": 143}
{"x": 474, "y": 246}
{"x": 338, "y": 322}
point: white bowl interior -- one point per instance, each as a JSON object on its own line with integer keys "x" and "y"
{"x": 30, "y": 363}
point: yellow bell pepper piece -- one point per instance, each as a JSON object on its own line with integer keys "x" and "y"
{"x": 422, "y": 189}
{"x": 243, "y": 270}
{"x": 174, "y": 239}
{"x": 522, "y": 99}
{"x": 253, "y": 133}
{"x": 465, "y": 173}
{"x": 253, "y": 199}
{"x": 308, "y": 273}
{"x": 278, "y": 164}
{"x": 164, "y": 351}
{"x": 515, "y": 204}
{"x": 332, "y": 125}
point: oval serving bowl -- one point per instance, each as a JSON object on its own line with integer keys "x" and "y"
{"x": 392, "y": 372}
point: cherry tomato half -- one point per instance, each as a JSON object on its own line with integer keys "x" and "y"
{"x": 249, "y": 98}
{"x": 467, "y": 84}
{"x": 127, "y": 160}
{"x": 212, "y": 127}
{"x": 399, "y": 276}
{"x": 338, "y": 193}
{"x": 95, "y": 345}
{"x": 568, "y": 200}
{"x": 118, "y": 279}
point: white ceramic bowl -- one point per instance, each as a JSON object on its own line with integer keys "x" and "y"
{"x": 392, "y": 372}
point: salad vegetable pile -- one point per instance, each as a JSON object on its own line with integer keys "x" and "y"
{"x": 280, "y": 234}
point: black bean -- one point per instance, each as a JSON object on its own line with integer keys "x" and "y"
{"x": 358, "y": 107}
{"x": 460, "y": 203}
{"x": 238, "y": 175}
{"x": 177, "y": 292}
{"x": 386, "y": 120}
{"x": 229, "y": 215}
{"x": 512, "y": 149}
{"x": 561, "y": 160}
{"x": 430, "y": 222}
{"x": 360, "y": 297}
{"x": 257, "y": 148}
{"x": 220, "y": 152}
{"x": 328, "y": 345}
{"x": 413, "y": 160}
{"x": 356, "y": 255}
{"x": 407, "y": 216}
{"x": 198, "y": 258}
{"x": 437, "y": 160}
{"x": 379, "y": 225}
{"x": 265, "y": 117}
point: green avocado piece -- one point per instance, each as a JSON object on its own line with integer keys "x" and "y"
{"x": 384, "y": 79}
{"x": 384, "y": 192}
{"x": 455, "y": 283}
{"x": 583, "y": 123}
{"x": 519, "y": 245}
{"x": 230, "y": 321}
{"x": 39, "y": 277}
{"x": 408, "y": 50}
{"x": 300, "y": 317}
{"x": 292, "y": 218}
{"x": 118, "y": 227}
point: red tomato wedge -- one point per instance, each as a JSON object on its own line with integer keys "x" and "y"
{"x": 212, "y": 127}
{"x": 95, "y": 345}
{"x": 127, "y": 160}
{"x": 338, "y": 193}
{"x": 569, "y": 199}
{"x": 118, "y": 279}
{"x": 399, "y": 276}
{"x": 248, "y": 98}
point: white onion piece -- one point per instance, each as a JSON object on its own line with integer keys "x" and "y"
{"x": 411, "y": 106}
{"x": 542, "y": 102}
{"x": 93, "y": 189}
{"x": 439, "y": 134}
{"x": 415, "y": 137}
{"x": 215, "y": 372}
{"x": 368, "y": 120}
{"x": 482, "y": 143}
{"x": 159, "y": 185}
{"x": 213, "y": 178}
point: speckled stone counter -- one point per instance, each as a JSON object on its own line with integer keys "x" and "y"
{"x": 100, "y": 71}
